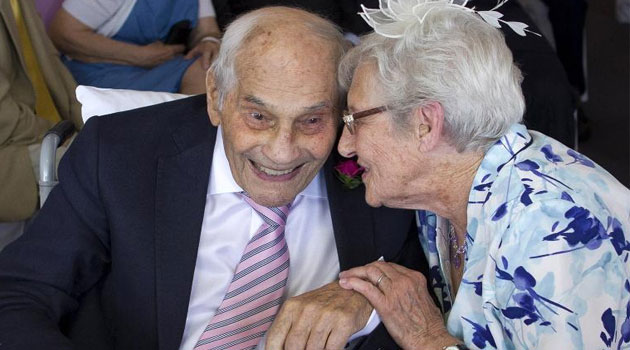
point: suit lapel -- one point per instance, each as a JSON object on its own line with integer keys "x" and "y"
{"x": 362, "y": 233}
{"x": 353, "y": 222}
{"x": 182, "y": 182}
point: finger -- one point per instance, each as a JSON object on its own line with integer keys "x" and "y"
{"x": 298, "y": 335}
{"x": 338, "y": 338}
{"x": 372, "y": 273}
{"x": 192, "y": 53}
{"x": 401, "y": 269}
{"x": 175, "y": 49}
{"x": 358, "y": 272}
{"x": 386, "y": 267}
{"x": 416, "y": 277}
{"x": 374, "y": 295}
{"x": 383, "y": 283}
{"x": 318, "y": 335}
{"x": 278, "y": 331}
{"x": 206, "y": 59}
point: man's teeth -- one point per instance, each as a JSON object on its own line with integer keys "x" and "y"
{"x": 272, "y": 172}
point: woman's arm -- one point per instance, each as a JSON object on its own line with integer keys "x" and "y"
{"x": 207, "y": 27}
{"x": 80, "y": 42}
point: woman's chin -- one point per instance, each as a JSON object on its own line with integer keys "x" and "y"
{"x": 371, "y": 198}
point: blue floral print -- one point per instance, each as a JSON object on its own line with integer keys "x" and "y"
{"x": 548, "y": 255}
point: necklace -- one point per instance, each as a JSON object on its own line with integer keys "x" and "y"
{"x": 457, "y": 252}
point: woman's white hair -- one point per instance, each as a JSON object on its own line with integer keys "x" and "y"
{"x": 248, "y": 25}
{"x": 445, "y": 54}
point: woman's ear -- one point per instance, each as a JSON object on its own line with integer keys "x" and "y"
{"x": 212, "y": 96}
{"x": 429, "y": 124}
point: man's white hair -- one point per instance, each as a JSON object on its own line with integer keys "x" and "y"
{"x": 248, "y": 25}
{"x": 439, "y": 52}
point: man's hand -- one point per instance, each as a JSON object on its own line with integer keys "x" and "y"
{"x": 321, "y": 319}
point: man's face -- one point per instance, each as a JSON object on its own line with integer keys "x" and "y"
{"x": 279, "y": 122}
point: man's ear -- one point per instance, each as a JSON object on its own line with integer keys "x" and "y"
{"x": 212, "y": 96}
{"x": 428, "y": 125}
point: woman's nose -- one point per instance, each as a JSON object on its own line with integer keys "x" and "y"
{"x": 346, "y": 144}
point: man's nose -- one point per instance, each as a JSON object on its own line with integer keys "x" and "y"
{"x": 282, "y": 148}
{"x": 346, "y": 145}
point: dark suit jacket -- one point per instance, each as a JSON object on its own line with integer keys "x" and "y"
{"x": 112, "y": 253}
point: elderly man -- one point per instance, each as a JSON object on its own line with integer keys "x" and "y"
{"x": 169, "y": 232}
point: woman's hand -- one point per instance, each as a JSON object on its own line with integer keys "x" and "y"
{"x": 157, "y": 53}
{"x": 401, "y": 298}
{"x": 207, "y": 50}
{"x": 81, "y": 42}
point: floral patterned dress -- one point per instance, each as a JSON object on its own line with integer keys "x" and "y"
{"x": 548, "y": 246}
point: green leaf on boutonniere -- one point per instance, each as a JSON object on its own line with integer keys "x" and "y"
{"x": 349, "y": 173}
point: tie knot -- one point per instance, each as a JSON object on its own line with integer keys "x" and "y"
{"x": 271, "y": 215}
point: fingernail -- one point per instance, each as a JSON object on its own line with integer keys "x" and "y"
{"x": 343, "y": 281}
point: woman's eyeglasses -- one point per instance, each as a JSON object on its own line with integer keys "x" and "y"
{"x": 349, "y": 119}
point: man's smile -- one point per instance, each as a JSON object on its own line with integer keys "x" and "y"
{"x": 270, "y": 174}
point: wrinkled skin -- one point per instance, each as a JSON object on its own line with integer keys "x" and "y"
{"x": 321, "y": 319}
{"x": 403, "y": 302}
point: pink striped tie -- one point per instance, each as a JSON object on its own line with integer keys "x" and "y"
{"x": 253, "y": 297}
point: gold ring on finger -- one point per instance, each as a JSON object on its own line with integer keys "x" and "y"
{"x": 379, "y": 280}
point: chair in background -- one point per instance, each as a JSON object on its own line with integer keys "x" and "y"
{"x": 48, "y": 157}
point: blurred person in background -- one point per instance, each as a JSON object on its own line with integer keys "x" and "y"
{"x": 158, "y": 45}
{"x": 36, "y": 91}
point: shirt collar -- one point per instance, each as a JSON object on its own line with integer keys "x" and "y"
{"x": 222, "y": 181}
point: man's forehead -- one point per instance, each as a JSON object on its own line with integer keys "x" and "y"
{"x": 292, "y": 72}
{"x": 285, "y": 44}
{"x": 322, "y": 105}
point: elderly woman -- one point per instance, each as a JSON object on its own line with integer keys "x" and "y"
{"x": 527, "y": 240}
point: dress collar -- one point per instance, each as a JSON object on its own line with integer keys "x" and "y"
{"x": 504, "y": 151}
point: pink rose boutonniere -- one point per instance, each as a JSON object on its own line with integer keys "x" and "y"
{"x": 349, "y": 172}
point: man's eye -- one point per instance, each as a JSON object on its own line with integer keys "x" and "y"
{"x": 257, "y": 116}
{"x": 313, "y": 120}
{"x": 257, "y": 120}
{"x": 312, "y": 124}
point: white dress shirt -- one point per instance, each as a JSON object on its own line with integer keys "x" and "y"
{"x": 229, "y": 223}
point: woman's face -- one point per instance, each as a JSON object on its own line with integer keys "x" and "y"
{"x": 387, "y": 153}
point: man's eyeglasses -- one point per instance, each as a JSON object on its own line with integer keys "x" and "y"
{"x": 349, "y": 119}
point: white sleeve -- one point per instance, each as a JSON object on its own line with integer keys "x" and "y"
{"x": 372, "y": 322}
{"x": 92, "y": 13}
{"x": 206, "y": 9}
